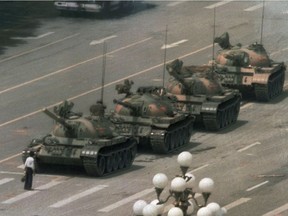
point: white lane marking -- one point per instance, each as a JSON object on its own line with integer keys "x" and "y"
{"x": 249, "y": 146}
{"x": 95, "y": 42}
{"x": 30, "y": 193}
{"x": 167, "y": 46}
{"x": 11, "y": 157}
{"x": 172, "y": 4}
{"x": 5, "y": 180}
{"x": 277, "y": 211}
{"x": 72, "y": 66}
{"x": 106, "y": 85}
{"x": 199, "y": 168}
{"x": 34, "y": 38}
{"x": 237, "y": 203}
{"x": 127, "y": 200}
{"x": 38, "y": 48}
{"x": 255, "y": 7}
{"x": 256, "y": 186}
{"x": 78, "y": 196}
{"x": 219, "y": 4}
{"x": 246, "y": 105}
{"x": 21, "y": 166}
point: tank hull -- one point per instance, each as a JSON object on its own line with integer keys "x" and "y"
{"x": 163, "y": 134}
{"x": 214, "y": 112}
{"x": 98, "y": 157}
{"x": 264, "y": 83}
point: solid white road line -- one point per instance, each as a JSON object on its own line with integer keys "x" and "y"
{"x": 277, "y": 211}
{"x": 256, "y": 186}
{"x": 30, "y": 193}
{"x": 237, "y": 203}
{"x": 199, "y": 168}
{"x": 249, "y": 146}
{"x": 219, "y": 4}
{"x": 172, "y": 4}
{"x": 13, "y": 156}
{"x": 38, "y": 48}
{"x": 70, "y": 67}
{"x": 106, "y": 85}
{"x": 5, "y": 180}
{"x": 78, "y": 196}
{"x": 127, "y": 200}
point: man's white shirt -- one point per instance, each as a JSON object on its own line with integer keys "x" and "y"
{"x": 29, "y": 162}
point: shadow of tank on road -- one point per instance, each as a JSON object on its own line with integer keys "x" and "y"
{"x": 21, "y": 19}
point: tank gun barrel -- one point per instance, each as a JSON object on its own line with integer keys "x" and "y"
{"x": 57, "y": 119}
{"x": 173, "y": 72}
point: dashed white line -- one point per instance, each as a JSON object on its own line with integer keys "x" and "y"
{"x": 172, "y": 4}
{"x": 34, "y": 38}
{"x": 237, "y": 203}
{"x": 256, "y": 186}
{"x": 95, "y": 42}
{"x": 38, "y": 48}
{"x": 277, "y": 211}
{"x": 78, "y": 196}
{"x": 219, "y": 4}
{"x": 255, "y": 7}
{"x": 30, "y": 193}
{"x": 167, "y": 46}
{"x": 5, "y": 180}
{"x": 249, "y": 146}
{"x": 126, "y": 200}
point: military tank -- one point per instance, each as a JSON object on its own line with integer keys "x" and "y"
{"x": 249, "y": 69}
{"x": 150, "y": 116}
{"x": 199, "y": 93}
{"x": 83, "y": 141}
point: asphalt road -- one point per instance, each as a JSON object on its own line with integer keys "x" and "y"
{"x": 61, "y": 58}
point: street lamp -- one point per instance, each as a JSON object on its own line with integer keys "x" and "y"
{"x": 182, "y": 190}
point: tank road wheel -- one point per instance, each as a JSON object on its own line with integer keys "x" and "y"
{"x": 169, "y": 142}
{"x": 109, "y": 164}
{"x": 116, "y": 160}
{"x": 122, "y": 160}
{"x": 100, "y": 169}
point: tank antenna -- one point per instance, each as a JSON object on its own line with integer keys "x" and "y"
{"x": 103, "y": 70}
{"x": 165, "y": 52}
{"x": 262, "y": 19}
{"x": 213, "y": 46}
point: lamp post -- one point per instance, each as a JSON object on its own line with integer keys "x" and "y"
{"x": 182, "y": 190}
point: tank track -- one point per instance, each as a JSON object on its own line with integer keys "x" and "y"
{"x": 226, "y": 115}
{"x": 177, "y": 135}
{"x": 273, "y": 88}
{"x": 111, "y": 159}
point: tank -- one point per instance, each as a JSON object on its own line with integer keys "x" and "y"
{"x": 249, "y": 69}
{"x": 199, "y": 93}
{"x": 149, "y": 116}
{"x": 87, "y": 141}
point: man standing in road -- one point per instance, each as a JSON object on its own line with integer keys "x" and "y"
{"x": 29, "y": 169}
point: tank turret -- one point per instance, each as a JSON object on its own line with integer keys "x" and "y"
{"x": 199, "y": 92}
{"x": 149, "y": 115}
{"x": 249, "y": 69}
{"x": 89, "y": 141}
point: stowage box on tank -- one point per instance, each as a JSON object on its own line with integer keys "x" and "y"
{"x": 150, "y": 116}
{"x": 83, "y": 141}
{"x": 199, "y": 93}
{"x": 249, "y": 69}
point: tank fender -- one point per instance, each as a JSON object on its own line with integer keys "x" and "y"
{"x": 90, "y": 150}
{"x": 260, "y": 78}
{"x": 209, "y": 107}
{"x": 143, "y": 131}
